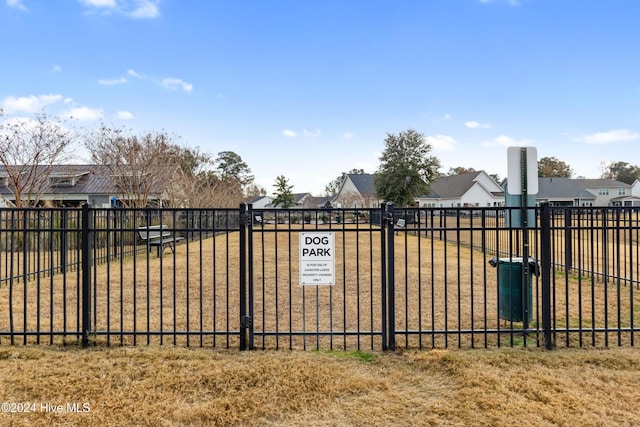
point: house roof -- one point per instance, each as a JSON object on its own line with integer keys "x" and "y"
{"x": 453, "y": 186}
{"x": 553, "y": 188}
{"x": 364, "y": 183}
{"x": 257, "y": 198}
{"x": 297, "y": 197}
{"x": 600, "y": 183}
{"x": 319, "y": 201}
{"x": 90, "y": 179}
{"x": 625, "y": 198}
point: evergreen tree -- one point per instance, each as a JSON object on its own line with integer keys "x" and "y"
{"x": 406, "y": 169}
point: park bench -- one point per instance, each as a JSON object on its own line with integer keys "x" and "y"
{"x": 159, "y": 236}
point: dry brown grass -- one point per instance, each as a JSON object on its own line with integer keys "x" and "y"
{"x": 180, "y": 387}
{"x": 170, "y": 385}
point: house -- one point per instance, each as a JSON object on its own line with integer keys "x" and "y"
{"x": 261, "y": 202}
{"x": 564, "y": 192}
{"x": 464, "y": 190}
{"x": 357, "y": 191}
{"x": 303, "y": 200}
{"x": 306, "y": 200}
{"x": 629, "y": 200}
{"x": 96, "y": 185}
{"x": 606, "y": 190}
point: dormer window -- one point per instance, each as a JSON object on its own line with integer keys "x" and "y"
{"x": 65, "y": 180}
{"x": 4, "y": 181}
{"x": 62, "y": 181}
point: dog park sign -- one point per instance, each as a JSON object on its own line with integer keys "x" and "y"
{"x": 317, "y": 258}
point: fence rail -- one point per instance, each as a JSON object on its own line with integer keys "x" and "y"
{"x": 408, "y": 278}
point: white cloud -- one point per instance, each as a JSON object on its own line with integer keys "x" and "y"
{"x": 305, "y": 133}
{"x": 618, "y": 135}
{"x": 124, "y": 115}
{"x": 472, "y": 124}
{"x": 173, "y": 84}
{"x": 84, "y": 114}
{"x": 136, "y": 9}
{"x": 442, "y": 142}
{"x": 134, "y": 74}
{"x": 348, "y": 135}
{"x": 28, "y": 104}
{"x": 447, "y": 116}
{"x": 145, "y": 9}
{"x": 111, "y": 82}
{"x": 108, "y": 4}
{"x": 17, "y": 4}
{"x": 506, "y": 141}
{"x": 56, "y": 68}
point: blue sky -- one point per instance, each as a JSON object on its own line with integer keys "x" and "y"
{"x": 310, "y": 88}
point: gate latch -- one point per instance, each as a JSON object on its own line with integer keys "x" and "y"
{"x": 246, "y": 322}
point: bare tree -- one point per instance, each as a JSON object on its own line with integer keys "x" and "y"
{"x": 28, "y": 150}
{"x": 140, "y": 165}
{"x": 209, "y": 191}
{"x": 351, "y": 199}
{"x": 254, "y": 190}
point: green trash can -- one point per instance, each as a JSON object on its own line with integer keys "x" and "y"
{"x": 510, "y": 287}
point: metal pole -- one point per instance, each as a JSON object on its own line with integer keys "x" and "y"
{"x": 243, "y": 278}
{"x": 391, "y": 328}
{"x": 525, "y": 240}
{"x": 545, "y": 253}
{"x": 383, "y": 257}
{"x": 87, "y": 235}
{"x": 250, "y": 300}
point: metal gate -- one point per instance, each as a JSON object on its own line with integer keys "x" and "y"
{"x": 277, "y": 311}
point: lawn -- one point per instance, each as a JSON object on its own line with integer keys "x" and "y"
{"x": 445, "y": 285}
{"x": 152, "y": 386}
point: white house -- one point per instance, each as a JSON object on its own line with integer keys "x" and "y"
{"x": 474, "y": 189}
{"x": 261, "y": 202}
{"x": 564, "y": 192}
{"x": 608, "y": 192}
{"x": 357, "y": 191}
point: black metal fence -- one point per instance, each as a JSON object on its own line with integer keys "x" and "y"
{"x": 236, "y": 278}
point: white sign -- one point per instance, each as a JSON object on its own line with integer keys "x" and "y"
{"x": 514, "y": 170}
{"x": 317, "y": 258}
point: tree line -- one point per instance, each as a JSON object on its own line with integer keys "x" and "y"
{"x": 407, "y": 169}
{"x": 139, "y": 162}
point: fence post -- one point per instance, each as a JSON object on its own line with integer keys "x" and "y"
{"x": 249, "y": 264}
{"x": 86, "y": 275}
{"x": 383, "y": 260}
{"x": 391, "y": 307}
{"x": 545, "y": 267}
{"x": 246, "y": 321}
